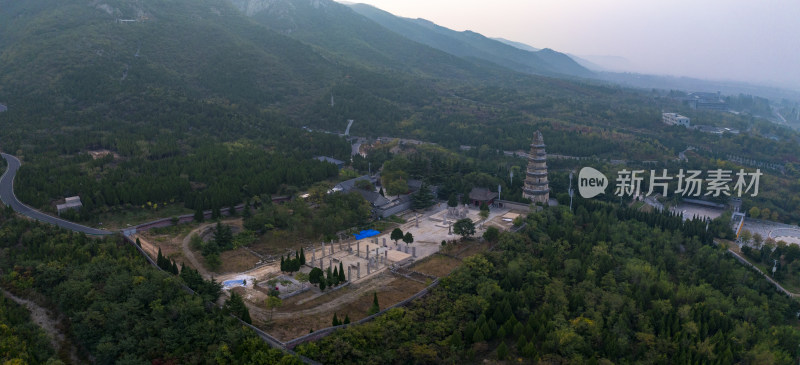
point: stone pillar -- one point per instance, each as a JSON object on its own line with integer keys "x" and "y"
{"x": 384, "y": 241}
{"x": 358, "y": 248}
{"x": 320, "y": 264}
{"x": 358, "y": 269}
{"x": 322, "y": 254}
{"x": 331, "y": 247}
{"x": 367, "y": 252}
{"x": 313, "y": 256}
{"x": 414, "y": 251}
{"x": 349, "y": 277}
{"x": 330, "y": 264}
{"x": 386, "y": 254}
{"x": 406, "y": 249}
{"x": 369, "y": 267}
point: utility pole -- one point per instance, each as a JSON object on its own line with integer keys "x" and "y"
{"x": 571, "y": 192}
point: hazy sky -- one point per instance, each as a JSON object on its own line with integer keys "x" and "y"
{"x": 750, "y": 40}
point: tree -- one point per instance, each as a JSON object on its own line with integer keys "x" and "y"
{"x": 745, "y": 236}
{"x": 316, "y": 276}
{"x": 346, "y": 319}
{"x": 138, "y": 243}
{"x": 322, "y": 285}
{"x": 213, "y": 261}
{"x": 755, "y": 212}
{"x": 464, "y": 227}
{"x": 491, "y": 234}
{"x": 302, "y": 257}
{"x": 223, "y": 236}
{"x": 758, "y": 239}
{"x": 342, "y": 277}
{"x": 502, "y": 351}
{"x": 452, "y": 201}
{"x": 484, "y": 213}
{"x": 375, "y": 308}
{"x": 408, "y": 238}
{"x": 236, "y": 306}
{"x": 423, "y": 198}
{"x": 283, "y": 264}
{"x": 335, "y": 321}
{"x": 397, "y": 234}
{"x": 272, "y": 303}
{"x": 198, "y": 215}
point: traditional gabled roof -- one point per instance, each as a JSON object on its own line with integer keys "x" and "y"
{"x": 482, "y": 194}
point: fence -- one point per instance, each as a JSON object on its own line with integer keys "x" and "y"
{"x": 319, "y": 334}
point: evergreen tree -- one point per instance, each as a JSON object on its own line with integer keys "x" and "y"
{"x": 452, "y": 201}
{"x": 423, "y": 198}
{"x": 315, "y": 276}
{"x": 375, "y": 308}
{"x": 346, "y": 319}
{"x": 408, "y": 238}
{"x": 335, "y": 320}
{"x": 302, "y": 257}
{"x": 283, "y": 264}
{"x": 236, "y": 306}
{"x": 174, "y": 268}
{"x": 397, "y": 234}
{"x": 138, "y": 243}
{"x": 342, "y": 277}
{"x": 198, "y": 215}
{"x": 502, "y": 351}
{"x": 322, "y": 285}
{"x": 246, "y": 214}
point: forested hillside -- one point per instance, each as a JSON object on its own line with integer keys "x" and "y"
{"x": 603, "y": 285}
{"x": 119, "y": 309}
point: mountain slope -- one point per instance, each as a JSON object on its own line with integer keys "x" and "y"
{"x": 474, "y": 45}
{"x": 349, "y": 38}
{"x": 81, "y": 55}
{"x": 519, "y": 45}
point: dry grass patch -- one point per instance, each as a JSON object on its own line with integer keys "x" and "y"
{"x": 436, "y": 265}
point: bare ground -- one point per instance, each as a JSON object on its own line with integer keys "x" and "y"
{"x": 436, "y": 265}
{"x": 312, "y": 310}
{"x": 50, "y": 324}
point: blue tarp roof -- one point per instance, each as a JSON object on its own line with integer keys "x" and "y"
{"x": 366, "y": 234}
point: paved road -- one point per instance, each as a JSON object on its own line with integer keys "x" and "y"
{"x": 8, "y": 197}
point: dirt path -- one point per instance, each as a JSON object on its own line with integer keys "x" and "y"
{"x": 189, "y": 255}
{"x": 49, "y": 324}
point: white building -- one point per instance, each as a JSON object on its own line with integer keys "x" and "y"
{"x": 675, "y": 119}
{"x": 73, "y": 202}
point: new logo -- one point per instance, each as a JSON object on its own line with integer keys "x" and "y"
{"x": 591, "y": 183}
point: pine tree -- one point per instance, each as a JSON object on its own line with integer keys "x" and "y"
{"x": 302, "y": 257}
{"x": 342, "y": 277}
{"x": 375, "y": 308}
{"x": 322, "y": 285}
{"x": 283, "y": 264}
{"x": 174, "y": 268}
{"x": 478, "y": 336}
{"x": 502, "y": 351}
{"x": 335, "y": 320}
{"x": 138, "y": 243}
{"x": 347, "y": 321}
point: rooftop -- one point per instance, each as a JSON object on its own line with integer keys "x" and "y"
{"x": 482, "y": 194}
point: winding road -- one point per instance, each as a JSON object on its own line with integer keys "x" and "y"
{"x": 8, "y": 197}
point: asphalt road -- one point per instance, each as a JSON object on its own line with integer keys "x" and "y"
{"x": 8, "y": 197}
